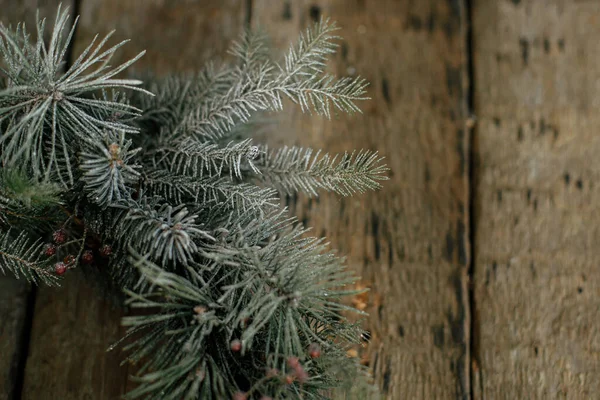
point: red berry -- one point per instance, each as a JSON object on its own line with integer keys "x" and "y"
{"x": 69, "y": 260}
{"x": 272, "y": 372}
{"x": 50, "y": 250}
{"x": 240, "y": 396}
{"x": 59, "y": 236}
{"x": 289, "y": 379}
{"x": 200, "y": 374}
{"x": 236, "y": 345}
{"x": 105, "y": 250}
{"x": 301, "y": 374}
{"x": 314, "y": 350}
{"x": 87, "y": 257}
{"x": 293, "y": 362}
{"x": 60, "y": 268}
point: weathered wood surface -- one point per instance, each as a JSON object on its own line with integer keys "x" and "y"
{"x": 408, "y": 241}
{"x": 72, "y": 329}
{"x": 15, "y": 296}
{"x": 177, "y": 35}
{"x": 537, "y": 279}
{"x": 536, "y": 282}
{"x": 13, "y": 314}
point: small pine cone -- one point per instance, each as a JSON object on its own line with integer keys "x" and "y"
{"x": 59, "y": 236}
{"x": 314, "y": 350}
{"x": 199, "y": 310}
{"x": 60, "y": 268}
{"x": 236, "y": 345}
{"x": 69, "y": 260}
{"x": 50, "y": 250}
{"x": 114, "y": 150}
{"x": 105, "y": 250}
{"x": 87, "y": 257}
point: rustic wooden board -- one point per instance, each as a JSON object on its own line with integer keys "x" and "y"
{"x": 15, "y": 295}
{"x": 72, "y": 327}
{"x": 409, "y": 241}
{"x": 537, "y": 284}
{"x": 177, "y": 35}
{"x": 13, "y": 315}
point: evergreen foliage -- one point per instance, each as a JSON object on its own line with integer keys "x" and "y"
{"x": 158, "y": 188}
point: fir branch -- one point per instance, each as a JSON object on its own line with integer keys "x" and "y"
{"x": 219, "y": 194}
{"x": 266, "y": 93}
{"x": 198, "y": 159}
{"x": 24, "y": 258}
{"x": 301, "y": 169}
{"x": 299, "y": 81}
{"x": 252, "y": 49}
{"x": 176, "y": 96}
{"x": 309, "y": 56}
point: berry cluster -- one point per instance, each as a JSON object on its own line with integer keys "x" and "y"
{"x": 297, "y": 372}
{"x": 59, "y": 240}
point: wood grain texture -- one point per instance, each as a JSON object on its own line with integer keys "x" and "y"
{"x": 537, "y": 284}
{"x": 178, "y": 35}
{"x": 15, "y": 295}
{"x": 408, "y": 241}
{"x": 73, "y": 327}
{"x": 13, "y": 313}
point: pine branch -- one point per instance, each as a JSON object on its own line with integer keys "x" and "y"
{"x": 258, "y": 290}
{"x": 17, "y": 188}
{"x": 229, "y": 286}
{"x": 166, "y": 233}
{"x": 33, "y": 204}
{"x": 24, "y": 258}
{"x": 301, "y": 169}
{"x": 106, "y": 168}
{"x": 40, "y": 96}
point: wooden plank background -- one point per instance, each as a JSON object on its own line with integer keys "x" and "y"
{"x": 537, "y": 275}
{"x": 480, "y": 250}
